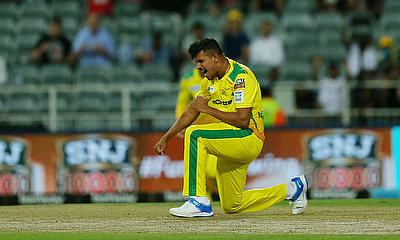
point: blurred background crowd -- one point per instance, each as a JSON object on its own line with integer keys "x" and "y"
{"x": 319, "y": 62}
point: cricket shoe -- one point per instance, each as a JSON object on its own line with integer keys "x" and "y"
{"x": 299, "y": 198}
{"x": 192, "y": 208}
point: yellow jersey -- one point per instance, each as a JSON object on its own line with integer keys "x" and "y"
{"x": 238, "y": 88}
{"x": 189, "y": 86}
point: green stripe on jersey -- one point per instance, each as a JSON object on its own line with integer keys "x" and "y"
{"x": 209, "y": 134}
{"x": 237, "y": 69}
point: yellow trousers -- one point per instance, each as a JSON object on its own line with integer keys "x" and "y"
{"x": 235, "y": 149}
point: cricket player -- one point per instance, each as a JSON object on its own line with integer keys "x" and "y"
{"x": 229, "y": 92}
{"x": 189, "y": 86}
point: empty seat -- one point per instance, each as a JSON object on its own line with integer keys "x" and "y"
{"x": 297, "y": 22}
{"x": 7, "y": 10}
{"x": 89, "y": 123}
{"x": 32, "y": 25}
{"x": 7, "y": 27}
{"x": 25, "y": 74}
{"x": 163, "y": 122}
{"x": 35, "y": 9}
{"x": 156, "y": 73}
{"x": 70, "y": 26}
{"x": 66, "y": 9}
{"x": 8, "y": 48}
{"x": 337, "y": 53}
{"x": 130, "y": 25}
{"x": 23, "y": 102}
{"x": 296, "y": 72}
{"x": 329, "y": 21}
{"x": 56, "y": 74}
{"x": 92, "y": 101}
{"x": 94, "y": 75}
{"x": 253, "y": 22}
{"x": 127, "y": 9}
{"x": 26, "y": 42}
{"x": 126, "y": 74}
{"x": 296, "y": 6}
{"x": 115, "y": 102}
{"x": 66, "y": 102}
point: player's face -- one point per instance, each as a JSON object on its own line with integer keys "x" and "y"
{"x": 205, "y": 63}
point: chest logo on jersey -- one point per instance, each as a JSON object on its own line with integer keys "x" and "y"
{"x": 211, "y": 89}
{"x": 220, "y": 102}
{"x": 239, "y": 83}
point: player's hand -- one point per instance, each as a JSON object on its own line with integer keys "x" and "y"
{"x": 200, "y": 103}
{"x": 160, "y": 146}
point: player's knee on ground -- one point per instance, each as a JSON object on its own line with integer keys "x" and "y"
{"x": 230, "y": 207}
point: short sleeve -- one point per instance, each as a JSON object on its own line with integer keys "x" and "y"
{"x": 204, "y": 89}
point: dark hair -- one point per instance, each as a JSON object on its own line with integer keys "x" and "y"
{"x": 57, "y": 20}
{"x": 197, "y": 25}
{"x": 205, "y": 44}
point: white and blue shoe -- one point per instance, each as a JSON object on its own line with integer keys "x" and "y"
{"x": 299, "y": 198}
{"x": 192, "y": 208}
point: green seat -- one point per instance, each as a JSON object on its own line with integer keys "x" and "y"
{"x": 66, "y": 9}
{"x": 32, "y": 25}
{"x": 26, "y": 42}
{"x": 35, "y": 9}
{"x": 115, "y": 102}
{"x": 92, "y": 101}
{"x": 7, "y": 26}
{"x": 337, "y": 53}
{"x": 252, "y": 23}
{"x": 90, "y": 124}
{"x": 23, "y": 102}
{"x": 56, "y": 74}
{"x": 70, "y": 26}
{"x": 94, "y": 75}
{"x": 8, "y": 48}
{"x": 130, "y": 25}
{"x": 297, "y": 22}
{"x": 126, "y": 74}
{"x": 25, "y": 74}
{"x": 296, "y": 6}
{"x": 296, "y": 71}
{"x": 163, "y": 122}
{"x": 156, "y": 73}
{"x": 65, "y": 102}
{"x": 7, "y": 10}
{"x": 126, "y": 9}
{"x": 329, "y": 21}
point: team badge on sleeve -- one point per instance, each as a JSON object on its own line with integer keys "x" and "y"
{"x": 239, "y": 83}
{"x": 239, "y": 96}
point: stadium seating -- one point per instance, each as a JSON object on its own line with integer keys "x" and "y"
{"x": 25, "y": 74}
{"x": 94, "y": 75}
{"x": 306, "y": 33}
{"x": 57, "y": 74}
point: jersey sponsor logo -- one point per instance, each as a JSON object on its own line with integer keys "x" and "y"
{"x": 219, "y": 102}
{"x": 210, "y": 89}
{"x": 240, "y": 83}
{"x": 239, "y": 96}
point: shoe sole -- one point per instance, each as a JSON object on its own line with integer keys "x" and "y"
{"x": 191, "y": 215}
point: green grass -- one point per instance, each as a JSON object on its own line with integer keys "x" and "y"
{"x": 324, "y": 219}
{"x": 169, "y": 236}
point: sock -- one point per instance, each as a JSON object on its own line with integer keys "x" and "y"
{"x": 203, "y": 200}
{"x": 290, "y": 190}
